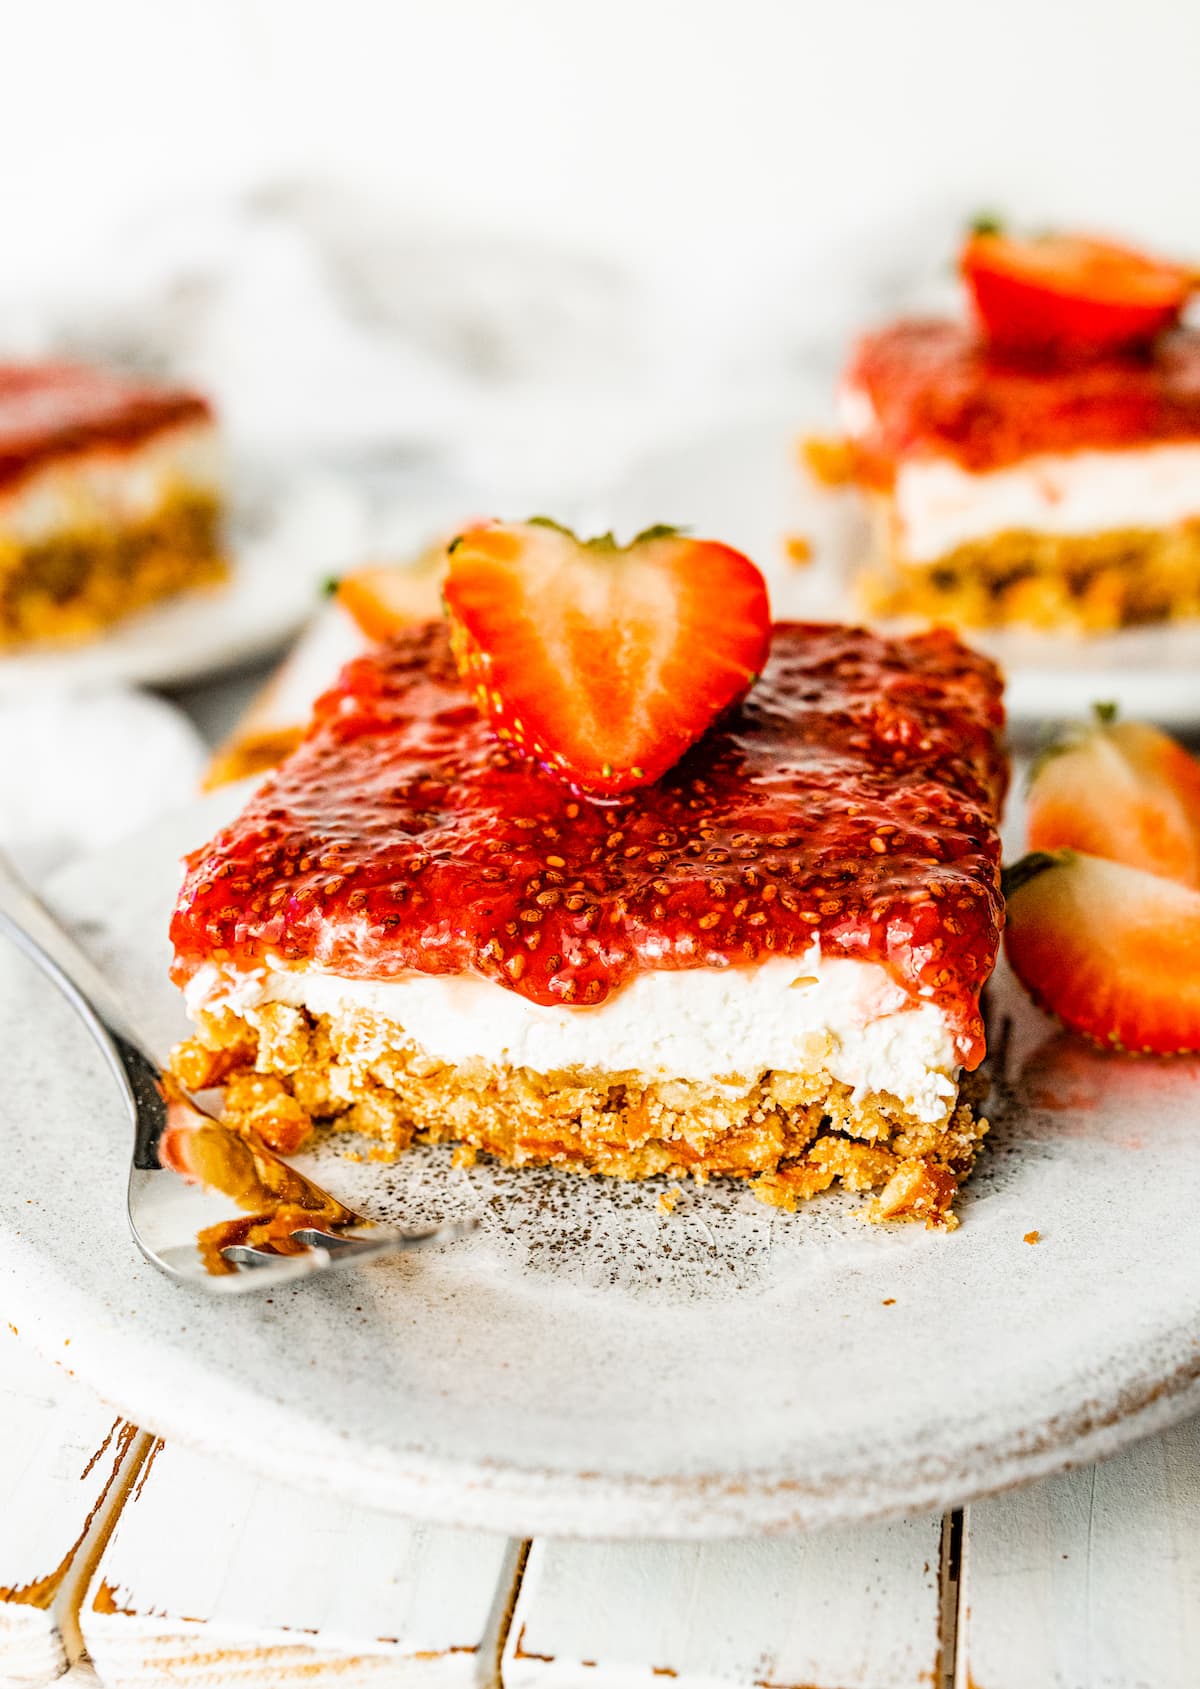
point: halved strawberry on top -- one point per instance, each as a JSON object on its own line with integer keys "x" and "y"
{"x": 1111, "y": 951}
{"x": 1071, "y": 293}
{"x": 605, "y": 662}
{"x": 1122, "y": 790}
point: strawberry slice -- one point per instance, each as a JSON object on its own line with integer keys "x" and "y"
{"x": 1112, "y": 952}
{"x": 383, "y": 598}
{"x": 1070, "y": 293}
{"x": 1122, "y": 790}
{"x": 603, "y": 661}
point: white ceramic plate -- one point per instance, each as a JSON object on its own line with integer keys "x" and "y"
{"x": 743, "y": 484}
{"x": 287, "y": 534}
{"x": 585, "y": 1364}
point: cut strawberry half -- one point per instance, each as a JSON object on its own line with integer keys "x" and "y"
{"x": 1122, "y": 790}
{"x": 1071, "y": 294}
{"x": 604, "y": 662}
{"x": 384, "y": 598}
{"x": 1112, "y": 952}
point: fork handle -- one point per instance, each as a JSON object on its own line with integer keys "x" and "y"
{"x": 25, "y": 919}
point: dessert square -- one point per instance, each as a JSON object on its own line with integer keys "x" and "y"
{"x": 110, "y": 499}
{"x": 1024, "y": 488}
{"x": 765, "y": 964}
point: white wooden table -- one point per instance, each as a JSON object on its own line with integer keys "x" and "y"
{"x": 141, "y": 1565}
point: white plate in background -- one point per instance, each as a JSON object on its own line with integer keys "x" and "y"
{"x": 743, "y": 484}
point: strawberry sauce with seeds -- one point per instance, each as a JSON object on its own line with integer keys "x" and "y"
{"x": 938, "y": 390}
{"x": 852, "y": 796}
{"x": 53, "y": 411}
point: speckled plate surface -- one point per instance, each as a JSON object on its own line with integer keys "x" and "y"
{"x": 586, "y": 1364}
{"x": 742, "y": 484}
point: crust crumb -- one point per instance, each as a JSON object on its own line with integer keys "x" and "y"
{"x": 829, "y": 459}
{"x": 799, "y": 549}
{"x": 1032, "y": 1237}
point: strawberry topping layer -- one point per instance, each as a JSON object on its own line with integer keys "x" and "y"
{"x": 938, "y": 389}
{"x": 852, "y": 796}
{"x": 52, "y": 411}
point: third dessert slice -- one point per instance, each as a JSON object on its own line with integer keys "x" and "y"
{"x": 1039, "y": 464}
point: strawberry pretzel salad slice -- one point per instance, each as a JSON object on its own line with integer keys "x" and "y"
{"x": 1036, "y": 463}
{"x": 611, "y": 875}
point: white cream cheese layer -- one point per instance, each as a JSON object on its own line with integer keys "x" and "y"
{"x": 939, "y": 506}
{"x": 713, "y": 1024}
{"x": 108, "y": 486}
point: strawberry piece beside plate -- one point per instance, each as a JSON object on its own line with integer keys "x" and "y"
{"x": 1122, "y": 790}
{"x": 604, "y": 662}
{"x": 1070, "y": 293}
{"x": 1111, "y": 951}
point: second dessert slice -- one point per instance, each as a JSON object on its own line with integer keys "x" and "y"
{"x": 111, "y": 498}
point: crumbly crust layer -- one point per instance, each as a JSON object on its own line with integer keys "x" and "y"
{"x": 286, "y": 1072}
{"x": 1092, "y": 583}
{"x": 72, "y": 586}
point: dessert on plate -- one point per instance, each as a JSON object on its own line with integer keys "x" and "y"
{"x": 1039, "y": 463}
{"x": 610, "y": 875}
{"x": 110, "y": 499}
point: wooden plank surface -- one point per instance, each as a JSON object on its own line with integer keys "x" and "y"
{"x": 1090, "y": 1580}
{"x": 855, "y": 1609}
{"x": 214, "y": 1576}
{"x": 65, "y": 1461}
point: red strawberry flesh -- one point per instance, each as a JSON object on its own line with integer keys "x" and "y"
{"x": 604, "y": 662}
{"x": 1071, "y": 294}
{"x": 1125, "y": 791}
{"x": 1111, "y": 951}
{"x": 852, "y": 796}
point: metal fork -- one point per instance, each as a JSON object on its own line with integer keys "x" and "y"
{"x": 189, "y": 1169}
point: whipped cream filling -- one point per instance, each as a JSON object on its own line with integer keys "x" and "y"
{"x": 938, "y": 505}
{"x": 721, "y": 1025}
{"x": 108, "y": 486}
